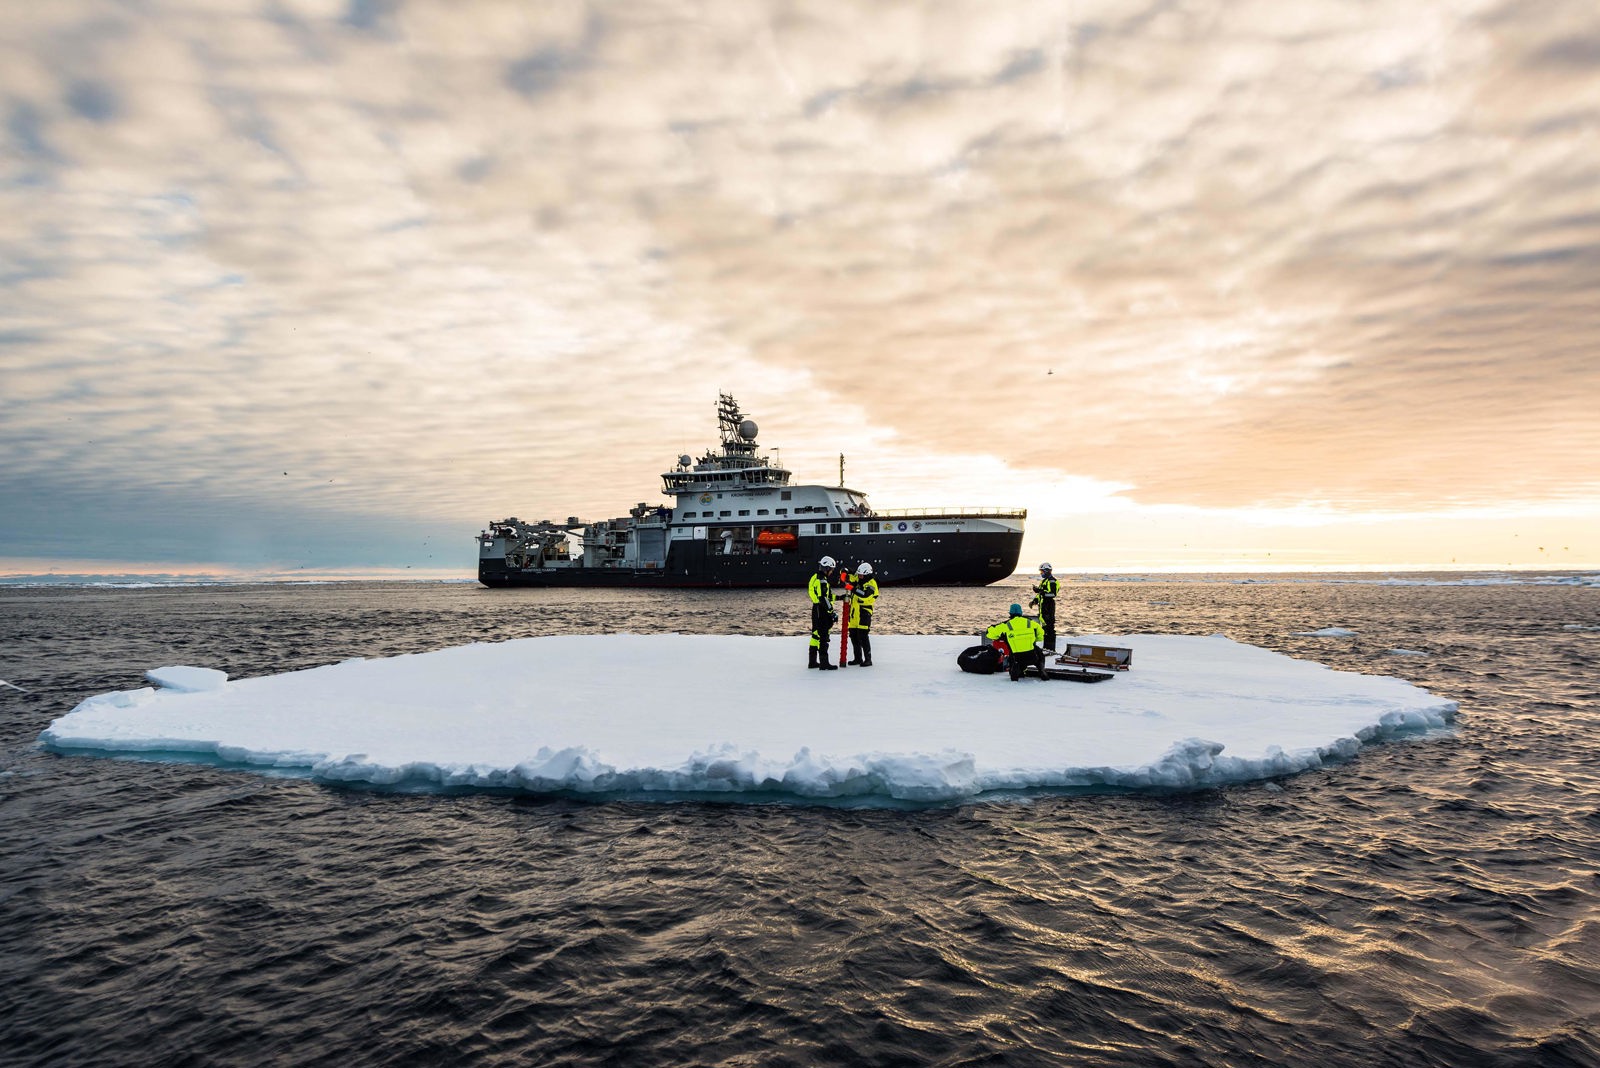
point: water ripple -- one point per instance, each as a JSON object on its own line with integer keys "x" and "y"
{"x": 1421, "y": 905}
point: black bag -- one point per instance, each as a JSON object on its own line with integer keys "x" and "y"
{"x": 979, "y": 660}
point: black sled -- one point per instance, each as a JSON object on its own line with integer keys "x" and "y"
{"x": 979, "y": 660}
{"x": 987, "y": 660}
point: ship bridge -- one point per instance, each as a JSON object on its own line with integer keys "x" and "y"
{"x": 738, "y": 520}
{"x": 736, "y": 463}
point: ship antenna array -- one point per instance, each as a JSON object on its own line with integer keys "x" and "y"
{"x": 728, "y": 418}
{"x": 729, "y": 422}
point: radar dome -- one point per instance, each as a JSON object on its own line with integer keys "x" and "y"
{"x": 747, "y": 430}
{"x": 684, "y": 460}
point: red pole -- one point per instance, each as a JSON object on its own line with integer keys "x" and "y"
{"x": 844, "y": 623}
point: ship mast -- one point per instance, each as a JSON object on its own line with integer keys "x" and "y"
{"x": 735, "y": 443}
{"x": 734, "y": 463}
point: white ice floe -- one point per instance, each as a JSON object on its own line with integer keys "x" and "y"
{"x": 632, "y": 714}
{"x": 1325, "y": 632}
{"x": 187, "y": 679}
{"x": 1405, "y": 652}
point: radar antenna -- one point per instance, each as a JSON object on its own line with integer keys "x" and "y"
{"x": 738, "y": 432}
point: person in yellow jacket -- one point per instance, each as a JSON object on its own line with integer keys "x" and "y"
{"x": 823, "y": 617}
{"x": 862, "y": 602}
{"x": 1045, "y": 591}
{"x": 1022, "y": 635}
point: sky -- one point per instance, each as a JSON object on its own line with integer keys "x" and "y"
{"x": 320, "y": 288}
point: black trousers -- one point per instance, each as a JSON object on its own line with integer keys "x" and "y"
{"x": 821, "y": 623}
{"x": 1047, "y": 616}
{"x": 861, "y": 637}
{"x": 1018, "y": 662}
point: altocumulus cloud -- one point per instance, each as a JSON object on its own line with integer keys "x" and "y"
{"x": 436, "y": 259}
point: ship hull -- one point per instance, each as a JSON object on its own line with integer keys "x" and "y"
{"x": 975, "y": 558}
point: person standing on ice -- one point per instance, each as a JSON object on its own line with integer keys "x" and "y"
{"x": 1022, "y": 636}
{"x": 1046, "y": 590}
{"x": 823, "y": 616}
{"x": 862, "y": 602}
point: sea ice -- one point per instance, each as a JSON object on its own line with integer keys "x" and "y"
{"x": 690, "y": 714}
{"x": 187, "y": 679}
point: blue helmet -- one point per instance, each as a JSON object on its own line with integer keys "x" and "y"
{"x": 1016, "y": 609}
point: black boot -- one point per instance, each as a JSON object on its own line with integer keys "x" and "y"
{"x": 866, "y": 648}
{"x": 813, "y": 657}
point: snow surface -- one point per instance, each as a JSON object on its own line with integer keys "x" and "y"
{"x": 187, "y": 679}
{"x": 630, "y": 714}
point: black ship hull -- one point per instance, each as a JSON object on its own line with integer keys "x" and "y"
{"x": 965, "y": 559}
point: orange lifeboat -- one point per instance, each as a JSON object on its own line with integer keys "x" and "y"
{"x": 773, "y": 539}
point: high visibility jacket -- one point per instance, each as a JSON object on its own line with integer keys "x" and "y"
{"x": 820, "y": 590}
{"x": 864, "y": 598}
{"x": 1020, "y": 632}
{"x": 1048, "y": 587}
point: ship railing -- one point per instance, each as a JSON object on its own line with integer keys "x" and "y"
{"x": 947, "y": 513}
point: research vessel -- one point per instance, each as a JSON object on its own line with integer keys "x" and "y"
{"x": 736, "y": 520}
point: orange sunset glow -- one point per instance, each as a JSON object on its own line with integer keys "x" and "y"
{"x": 320, "y": 287}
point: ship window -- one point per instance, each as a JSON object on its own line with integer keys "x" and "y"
{"x": 872, "y": 528}
{"x": 688, "y": 515}
{"x": 836, "y": 528}
{"x": 724, "y": 512}
{"x": 761, "y": 511}
{"x": 822, "y": 528}
{"x": 783, "y": 511}
{"x": 855, "y": 528}
{"x": 744, "y": 511}
{"x": 786, "y": 495}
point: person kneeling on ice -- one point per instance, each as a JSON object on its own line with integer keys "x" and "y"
{"x": 1022, "y": 635}
{"x": 862, "y": 602}
{"x": 823, "y": 617}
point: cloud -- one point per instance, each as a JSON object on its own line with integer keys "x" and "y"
{"x": 453, "y": 257}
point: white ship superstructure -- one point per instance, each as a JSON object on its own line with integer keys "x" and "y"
{"x": 737, "y": 520}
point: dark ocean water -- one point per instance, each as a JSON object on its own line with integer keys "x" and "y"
{"x": 1434, "y": 902}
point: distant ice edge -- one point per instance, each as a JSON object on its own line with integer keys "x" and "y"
{"x": 929, "y": 778}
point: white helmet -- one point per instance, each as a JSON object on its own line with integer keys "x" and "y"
{"x": 826, "y": 561}
{"x": 1045, "y": 566}
{"x": 864, "y": 569}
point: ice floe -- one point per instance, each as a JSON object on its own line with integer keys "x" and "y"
{"x": 676, "y": 714}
